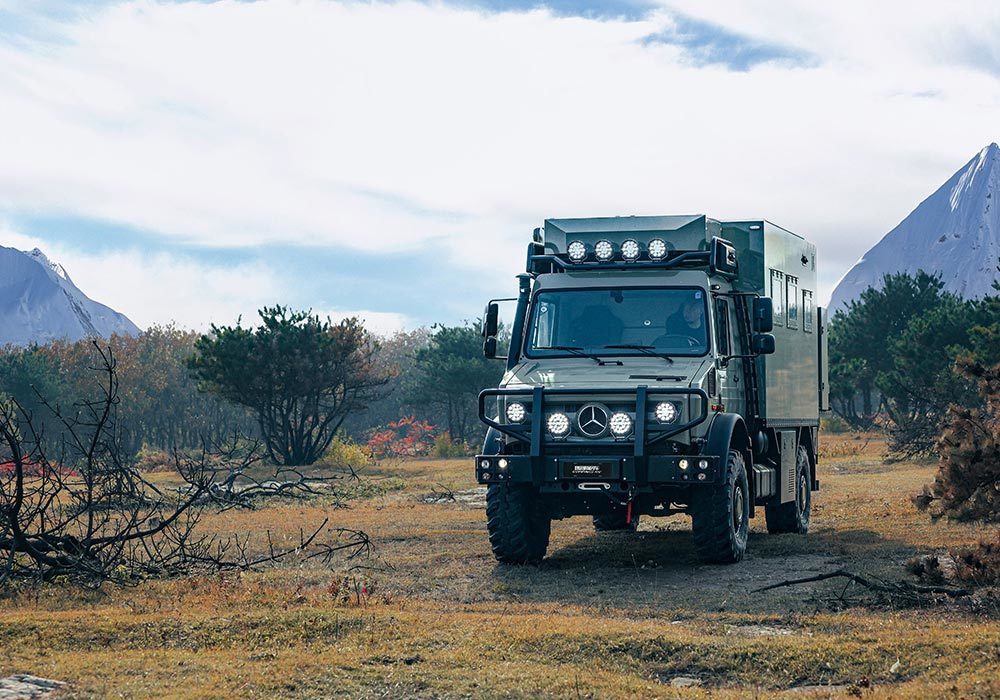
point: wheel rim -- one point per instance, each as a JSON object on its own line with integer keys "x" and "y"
{"x": 739, "y": 508}
{"x": 803, "y": 494}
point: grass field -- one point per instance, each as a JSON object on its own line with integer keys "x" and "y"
{"x": 609, "y": 615}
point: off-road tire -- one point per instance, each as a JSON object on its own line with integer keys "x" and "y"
{"x": 615, "y": 520}
{"x": 794, "y": 516}
{"x": 720, "y": 515}
{"x": 517, "y": 523}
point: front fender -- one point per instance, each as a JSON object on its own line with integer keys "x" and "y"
{"x": 493, "y": 444}
{"x": 728, "y": 431}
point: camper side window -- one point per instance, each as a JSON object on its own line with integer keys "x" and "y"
{"x": 807, "y": 311}
{"x": 778, "y": 296}
{"x": 793, "y": 301}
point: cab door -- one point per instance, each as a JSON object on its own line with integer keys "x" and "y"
{"x": 729, "y": 373}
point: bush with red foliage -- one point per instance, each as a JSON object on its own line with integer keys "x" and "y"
{"x": 407, "y": 437}
{"x": 33, "y": 469}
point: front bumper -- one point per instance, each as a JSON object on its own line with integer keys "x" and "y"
{"x": 629, "y": 463}
{"x": 649, "y": 470}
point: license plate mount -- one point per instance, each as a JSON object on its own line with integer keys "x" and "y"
{"x": 588, "y": 469}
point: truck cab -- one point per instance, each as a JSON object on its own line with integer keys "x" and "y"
{"x": 656, "y": 365}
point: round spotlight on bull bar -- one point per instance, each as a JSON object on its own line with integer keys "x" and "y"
{"x": 577, "y": 251}
{"x": 558, "y": 424}
{"x": 516, "y": 412}
{"x": 630, "y": 250}
{"x": 657, "y": 249}
{"x": 604, "y": 251}
{"x": 620, "y": 424}
{"x": 666, "y": 412}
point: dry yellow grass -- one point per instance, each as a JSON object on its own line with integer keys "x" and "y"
{"x": 612, "y": 615}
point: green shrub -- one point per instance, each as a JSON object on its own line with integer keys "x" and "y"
{"x": 346, "y": 454}
{"x": 834, "y": 424}
{"x": 446, "y": 448}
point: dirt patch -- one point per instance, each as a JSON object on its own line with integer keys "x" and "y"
{"x": 469, "y": 498}
{"x": 759, "y": 631}
{"x": 22, "y": 686}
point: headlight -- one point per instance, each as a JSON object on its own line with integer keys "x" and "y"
{"x": 604, "y": 251}
{"x": 516, "y": 412}
{"x": 558, "y": 424}
{"x": 620, "y": 424}
{"x": 657, "y": 249}
{"x": 666, "y": 412}
{"x": 630, "y": 250}
{"x": 577, "y": 251}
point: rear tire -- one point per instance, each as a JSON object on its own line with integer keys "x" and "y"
{"x": 720, "y": 515}
{"x": 518, "y": 524}
{"x": 794, "y": 516}
{"x": 615, "y": 520}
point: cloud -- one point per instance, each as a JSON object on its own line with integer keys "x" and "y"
{"x": 414, "y": 126}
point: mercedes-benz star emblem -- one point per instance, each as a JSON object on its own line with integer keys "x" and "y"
{"x": 592, "y": 420}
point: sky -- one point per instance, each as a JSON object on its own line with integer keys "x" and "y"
{"x": 189, "y": 162}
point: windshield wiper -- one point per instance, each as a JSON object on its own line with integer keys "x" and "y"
{"x": 644, "y": 349}
{"x": 579, "y": 352}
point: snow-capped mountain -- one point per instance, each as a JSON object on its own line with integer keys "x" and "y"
{"x": 39, "y": 303}
{"x": 955, "y": 232}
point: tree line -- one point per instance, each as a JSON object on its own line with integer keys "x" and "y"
{"x": 894, "y": 355}
{"x": 294, "y": 380}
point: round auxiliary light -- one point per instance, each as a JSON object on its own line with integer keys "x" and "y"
{"x": 577, "y": 251}
{"x": 620, "y": 424}
{"x": 657, "y": 249}
{"x": 516, "y": 412}
{"x": 604, "y": 251}
{"x": 666, "y": 412}
{"x": 703, "y": 464}
{"x": 630, "y": 250}
{"x": 683, "y": 464}
{"x": 502, "y": 463}
{"x": 558, "y": 424}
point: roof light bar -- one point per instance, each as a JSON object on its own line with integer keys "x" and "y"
{"x": 657, "y": 249}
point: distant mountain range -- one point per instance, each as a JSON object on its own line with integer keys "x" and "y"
{"x": 955, "y": 233}
{"x": 39, "y": 303}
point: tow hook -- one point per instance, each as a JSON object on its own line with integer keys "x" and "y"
{"x": 594, "y": 486}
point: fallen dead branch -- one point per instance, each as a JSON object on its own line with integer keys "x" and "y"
{"x": 890, "y": 588}
{"x": 73, "y": 508}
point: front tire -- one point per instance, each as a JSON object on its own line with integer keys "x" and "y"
{"x": 794, "y": 516}
{"x": 720, "y": 515}
{"x": 518, "y": 524}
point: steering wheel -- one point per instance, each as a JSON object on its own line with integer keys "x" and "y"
{"x": 691, "y": 341}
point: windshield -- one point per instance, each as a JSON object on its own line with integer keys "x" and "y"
{"x": 602, "y": 321}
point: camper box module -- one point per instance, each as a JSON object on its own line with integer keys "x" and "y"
{"x": 656, "y": 365}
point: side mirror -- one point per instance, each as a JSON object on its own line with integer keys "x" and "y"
{"x": 763, "y": 315}
{"x": 762, "y": 343}
{"x": 491, "y": 323}
{"x": 490, "y": 348}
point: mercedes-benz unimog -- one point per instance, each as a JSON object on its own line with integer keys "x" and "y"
{"x": 656, "y": 365}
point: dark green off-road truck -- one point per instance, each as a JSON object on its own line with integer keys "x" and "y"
{"x": 657, "y": 365}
